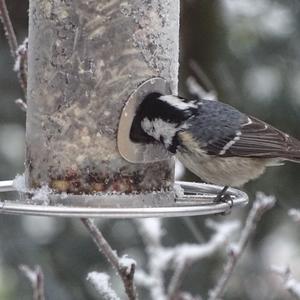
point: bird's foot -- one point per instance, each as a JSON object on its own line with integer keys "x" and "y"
{"x": 225, "y": 199}
{"x": 222, "y": 197}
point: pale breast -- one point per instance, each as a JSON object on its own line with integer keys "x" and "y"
{"x": 231, "y": 171}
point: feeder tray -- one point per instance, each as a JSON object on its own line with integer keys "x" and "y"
{"x": 194, "y": 199}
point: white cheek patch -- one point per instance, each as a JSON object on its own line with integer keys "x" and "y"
{"x": 158, "y": 128}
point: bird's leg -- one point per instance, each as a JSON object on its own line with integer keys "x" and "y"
{"x": 223, "y": 197}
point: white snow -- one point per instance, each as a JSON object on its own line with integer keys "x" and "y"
{"x": 294, "y": 214}
{"x": 19, "y": 183}
{"x": 179, "y": 191}
{"x": 126, "y": 262}
{"x": 21, "y": 51}
{"x": 42, "y": 195}
{"x": 265, "y": 200}
{"x": 162, "y": 258}
{"x": 290, "y": 283}
{"x": 193, "y": 252}
{"x": 101, "y": 282}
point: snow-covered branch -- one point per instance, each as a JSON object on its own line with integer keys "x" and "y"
{"x": 36, "y": 279}
{"x": 158, "y": 257}
{"x": 21, "y": 64}
{"x": 261, "y": 205}
{"x": 101, "y": 282}
{"x": 178, "y": 258}
{"x": 187, "y": 254}
{"x": 289, "y": 282}
{"x": 124, "y": 266}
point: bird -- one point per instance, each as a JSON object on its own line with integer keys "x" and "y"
{"x": 214, "y": 140}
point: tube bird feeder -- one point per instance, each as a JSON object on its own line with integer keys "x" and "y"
{"x": 85, "y": 59}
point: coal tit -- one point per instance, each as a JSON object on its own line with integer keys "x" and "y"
{"x": 214, "y": 140}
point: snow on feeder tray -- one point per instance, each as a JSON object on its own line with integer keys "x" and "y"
{"x": 185, "y": 199}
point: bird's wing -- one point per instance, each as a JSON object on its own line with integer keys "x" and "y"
{"x": 256, "y": 138}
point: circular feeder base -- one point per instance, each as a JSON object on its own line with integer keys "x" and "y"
{"x": 191, "y": 199}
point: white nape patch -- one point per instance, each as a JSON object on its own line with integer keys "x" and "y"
{"x": 158, "y": 128}
{"x": 230, "y": 143}
{"x": 177, "y": 102}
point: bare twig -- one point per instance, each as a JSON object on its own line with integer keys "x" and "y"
{"x": 36, "y": 278}
{"x": 261, "y": 205}
{"x": 19, "y": 54}
{"x": 8, "y": 29}
{"x": 290, "y": 283}
{"x": 126, "y": 271}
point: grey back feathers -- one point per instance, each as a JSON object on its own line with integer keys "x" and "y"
{"x": 218, "y": 128}
{"x": 226, "y": 132}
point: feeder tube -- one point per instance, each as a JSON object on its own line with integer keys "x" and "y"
{"x": 85, "y": 59}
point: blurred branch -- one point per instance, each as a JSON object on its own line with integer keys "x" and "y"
{"x": 36, "y": 278}
{"x": 199, "y": 84}
{"x": 19, "y": 54}
{"x": 290, "y": 283}
{"x": 188, "y": 221}
{"x": 261, "y": 205}
{"x": 124, "y": 266}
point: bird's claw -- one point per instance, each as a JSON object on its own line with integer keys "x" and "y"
{"x": 225, "y": 198}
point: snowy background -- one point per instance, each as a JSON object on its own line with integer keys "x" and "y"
{"x": 250, "y": 51}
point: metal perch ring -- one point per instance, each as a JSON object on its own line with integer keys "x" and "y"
{"x": 194, "y": 199}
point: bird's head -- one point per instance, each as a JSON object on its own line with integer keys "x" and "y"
{"x": 159, "y": 118}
